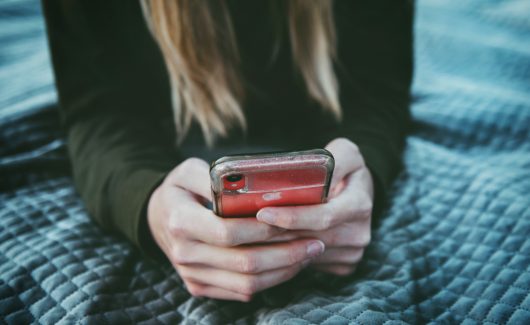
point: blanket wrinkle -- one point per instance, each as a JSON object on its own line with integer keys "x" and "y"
{"x": 452, "y": 246}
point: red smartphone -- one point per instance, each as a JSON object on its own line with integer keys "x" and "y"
{"x": 243, "y": 184}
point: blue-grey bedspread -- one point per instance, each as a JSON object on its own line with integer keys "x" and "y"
{"x": 453, "y": 245}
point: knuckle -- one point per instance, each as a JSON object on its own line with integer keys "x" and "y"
{"x": 178, "y": 256}
{"x": 190, "y": 162}
{"x": 334, "y": 238}
{"x": 342, "y": 141}
{"x": 347, "y": 143}
{"x": 354, "y": 256}
{"x": 248, "y": 263}
{"x": 224, "y": 235}
{"x": 366, "y": 239}
{"x": 184, "y": 167}
{"x": 364, "y": 213}
{"x": 180, "y": 170}
{"x": 289, "y": 220}
{"x": 176, "y": 226}
{"x": 195, "y": 290}
{"x": 349, "y": 211}
{"x": 364, "y": 210}
{"x": 327, "y": 220}
{"x": 352, "y": 146}
{"x": 358, "y": 257}
{"x": 355, "y": 148}
{"x": 249, "y": 286}
{"x": 363, "y": 240}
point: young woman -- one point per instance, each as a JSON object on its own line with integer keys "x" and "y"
{"x": 152, "y": 90}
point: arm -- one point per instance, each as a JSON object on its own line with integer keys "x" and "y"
{"x": 375, "y": 70}
{"x": 110, "y": 104}
{"x": 111, "y": 100}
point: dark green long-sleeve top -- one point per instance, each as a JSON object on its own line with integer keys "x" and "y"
{"x": 115, "y": 98}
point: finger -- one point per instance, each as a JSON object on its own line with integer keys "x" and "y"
{"x": 349, "y": 235}
{"x": 250, "y": 259}
{"x": 347, "y": 159}
{"x": 354, "y": 203}
{"x": 197, "y": 222}
{"x": 346, "y": 256}
{"x": 193, "y": 175}
{"x": 203, "y": 290}
{"x": 337, "y": 269}
{"x": 237, "y": 282}
{"x": 304, "y": 217}
{"x": 286, "y": 236}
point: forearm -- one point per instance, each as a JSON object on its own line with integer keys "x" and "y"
{"x": 375, "y": 73}
{"x": 113, "y": 96}
{"x": 115, "y": 170}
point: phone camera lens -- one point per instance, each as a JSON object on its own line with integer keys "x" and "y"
{"x": 234, "y": 182}
{"x": 234, "y": 177}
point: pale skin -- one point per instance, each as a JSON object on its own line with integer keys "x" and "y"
{"x": 234, "y": 258}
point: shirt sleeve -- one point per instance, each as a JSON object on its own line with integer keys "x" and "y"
{"x": 111, "y": 97}
{"x": 375, "y": 70}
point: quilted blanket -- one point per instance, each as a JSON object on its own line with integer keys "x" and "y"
{"x": 453, "y": 245}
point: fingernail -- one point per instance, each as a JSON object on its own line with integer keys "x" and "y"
{"x": 315, "y": 248}
{"x": 266, "y": 217}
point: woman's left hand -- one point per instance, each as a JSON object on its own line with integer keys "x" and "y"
{"x": 343, "y": 223}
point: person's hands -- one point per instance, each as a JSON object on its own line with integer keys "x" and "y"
{"x": 203, "y": 247}
{"x": 343, "y": 223}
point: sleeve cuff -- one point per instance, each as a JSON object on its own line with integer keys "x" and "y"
{"x": 382, "y": 175}
{"x": 133, "y": 202}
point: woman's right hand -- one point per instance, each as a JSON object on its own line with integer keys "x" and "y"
{"x": 214, "y": 256}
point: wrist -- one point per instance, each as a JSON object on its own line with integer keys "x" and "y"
{"x": 146, "y": 231}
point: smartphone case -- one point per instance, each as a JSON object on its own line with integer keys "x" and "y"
{"x": 243, "y": 184}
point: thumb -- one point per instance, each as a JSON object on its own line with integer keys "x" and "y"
{"x": 193, "y": 175}
{"x": 347, "y": 160}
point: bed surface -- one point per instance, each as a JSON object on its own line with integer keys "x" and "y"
{"x": 453, "y": 246}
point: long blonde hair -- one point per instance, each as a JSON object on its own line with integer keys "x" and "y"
{"x": 198, "y": 43}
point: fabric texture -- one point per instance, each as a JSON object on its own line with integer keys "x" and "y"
{"x": 452, "y": 246}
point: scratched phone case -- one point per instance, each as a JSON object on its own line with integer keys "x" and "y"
{"x": 243, "y": 184}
